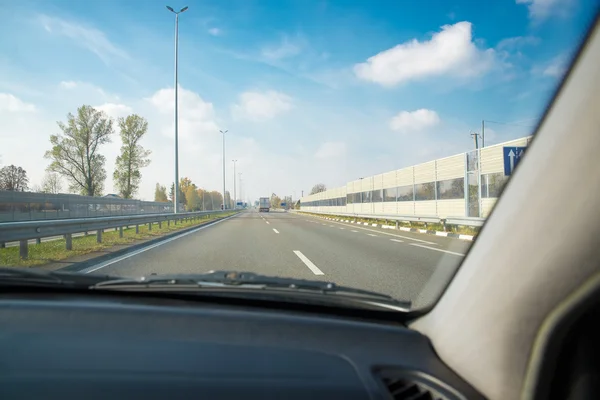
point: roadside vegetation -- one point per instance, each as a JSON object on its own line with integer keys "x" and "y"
{"x": 55, "y": 250}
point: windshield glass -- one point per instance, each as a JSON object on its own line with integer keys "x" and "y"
{"x": 358, "y": 143}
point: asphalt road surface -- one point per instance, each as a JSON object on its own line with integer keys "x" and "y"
{"x": 293, "y": 245}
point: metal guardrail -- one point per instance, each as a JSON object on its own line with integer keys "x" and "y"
{"x": 26, "y": 230}
{"x": 464, "y": 221}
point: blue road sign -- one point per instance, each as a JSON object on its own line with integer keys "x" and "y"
{"x": 239, "y": 203}
{"x": 283, "y": 204}
{"x": 512, "y": 155}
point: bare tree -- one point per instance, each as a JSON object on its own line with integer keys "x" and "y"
{"x": 51, "y": 183}
{"x": 13, "y": 178}
{"x": 318, "y": 188}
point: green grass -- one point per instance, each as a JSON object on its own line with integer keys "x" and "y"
{"x": 46, "y": 252}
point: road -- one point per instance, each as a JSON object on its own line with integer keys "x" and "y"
{"x": 293, "y": 245}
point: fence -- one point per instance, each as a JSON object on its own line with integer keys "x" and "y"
{"x": 25, "y": 230}
{"x": 25, "y": 206}
{"x": 466, "y": 185}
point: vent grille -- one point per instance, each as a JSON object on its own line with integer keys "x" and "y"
{"x": 405, "y": 385}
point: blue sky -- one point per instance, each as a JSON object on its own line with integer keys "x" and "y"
{"x": 310, "y": 91}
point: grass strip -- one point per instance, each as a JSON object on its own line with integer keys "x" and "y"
{"x": 55, "y": 250}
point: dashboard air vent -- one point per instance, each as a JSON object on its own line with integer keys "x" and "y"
{"x": 405, "y": 385}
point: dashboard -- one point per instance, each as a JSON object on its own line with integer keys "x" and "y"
{"x": 119, "y": 346}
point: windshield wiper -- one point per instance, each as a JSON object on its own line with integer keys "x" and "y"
{"x": 29, "y": 276}
{"x": 234, "y": 279}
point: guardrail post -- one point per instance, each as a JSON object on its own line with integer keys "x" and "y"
{"x": 23, "y": 250}
{"x": 99, "y": 236}
{"x": 85, "y": 233}
{"x": 137, "y": 229}
{"x": 443, "y": 221}
{"x": 120, "y": 231}
{"x": 69, "y": 241}
{"x": 149, "y": 226}
{"x": 159, "y": 224}
{"x": 168, "y": 222}
{"x": 2, "y": 245}
{"x": 397, "y": 224}
{"x": 38, "y": 240}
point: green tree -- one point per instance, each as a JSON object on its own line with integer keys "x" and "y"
{"x": 133, "y": 157}
{"x": 75, "y": 152}
{"x": 160, "y": 193}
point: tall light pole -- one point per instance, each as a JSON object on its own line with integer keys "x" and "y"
{"x": 223, "y": 132}
{"x": 241, "y": 192}
{"x": 176, "y": 186}
{"x": 234, "y": 194}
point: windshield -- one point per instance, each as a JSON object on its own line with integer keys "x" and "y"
{"x": 358, "y": 143}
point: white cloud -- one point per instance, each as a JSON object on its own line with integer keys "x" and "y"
{"x": 414, "y": 121}
{"x": 257, "y": 106}
{"x": 556, "y": 68}
{"x": 115, "y": 110}
{"x": 215, "y": 31}
{"x": 92, "y": 39}
{"x": 542, "y": 9}
{"x": 286, "y": 48}
{"x": 13, "y": 104}
{"x": 330, "y": 150}
{"x": 517, "y": 42}
{"x": 449, "y": 52}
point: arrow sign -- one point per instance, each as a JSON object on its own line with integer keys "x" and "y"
{"x": 512, "y": 156}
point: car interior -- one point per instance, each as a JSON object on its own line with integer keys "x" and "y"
{"x": 519, "y": 318}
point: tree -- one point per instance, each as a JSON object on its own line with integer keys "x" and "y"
{"x": 275, "y": 201}
{"x": 228, "y": 201}
{"x": 75, "y": 152}
{"x": 180, "y": 198}
{"x": 13, "y": 178}
{"x": 51, "y": 183}
{"x": 160, "y": 193}
{"x": 318, "y": 188}
{"x": 193, "y": 200}
{"x": 133, "y": 156}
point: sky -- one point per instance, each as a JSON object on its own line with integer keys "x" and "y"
{"x": 309, "y": 91}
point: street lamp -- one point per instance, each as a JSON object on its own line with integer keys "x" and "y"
{"x": 234, "y": 193}
{"x": 176, "y": 186}
{"x": 223, "y": 132}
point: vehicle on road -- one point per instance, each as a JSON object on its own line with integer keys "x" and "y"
{"x": 264, "y": 204}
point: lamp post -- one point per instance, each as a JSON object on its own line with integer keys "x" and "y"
{"x": 234, "y": 193}
{"x": 223, "y": 132}
{"x": 176, "y": 186}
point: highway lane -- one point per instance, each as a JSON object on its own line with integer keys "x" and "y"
{"x": 284, "y": 244}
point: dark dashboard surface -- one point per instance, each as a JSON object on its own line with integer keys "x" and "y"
{"x": 130, "y": 347}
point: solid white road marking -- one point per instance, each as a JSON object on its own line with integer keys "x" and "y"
{"x": 275, "y": 230}
{"x": 370, "y": 234}
{"x": 135, "y": 253}
{"x": 433, "y": 248}
{"x": 396, "y": 240}
{"x": 308, "y": 263}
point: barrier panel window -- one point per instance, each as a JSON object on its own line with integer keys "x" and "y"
{"x": 425, "y": 191}
{"x": 492, "y": 184}
{"x": 390, "y": 194}
{"x": 451, "y": 189}
{"x": 366, "y": 197}
{"x": 405, "y": 193}
{"x": 376, "y": 196}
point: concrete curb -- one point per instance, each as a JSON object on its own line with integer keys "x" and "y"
{"x": 405, "y": 229}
